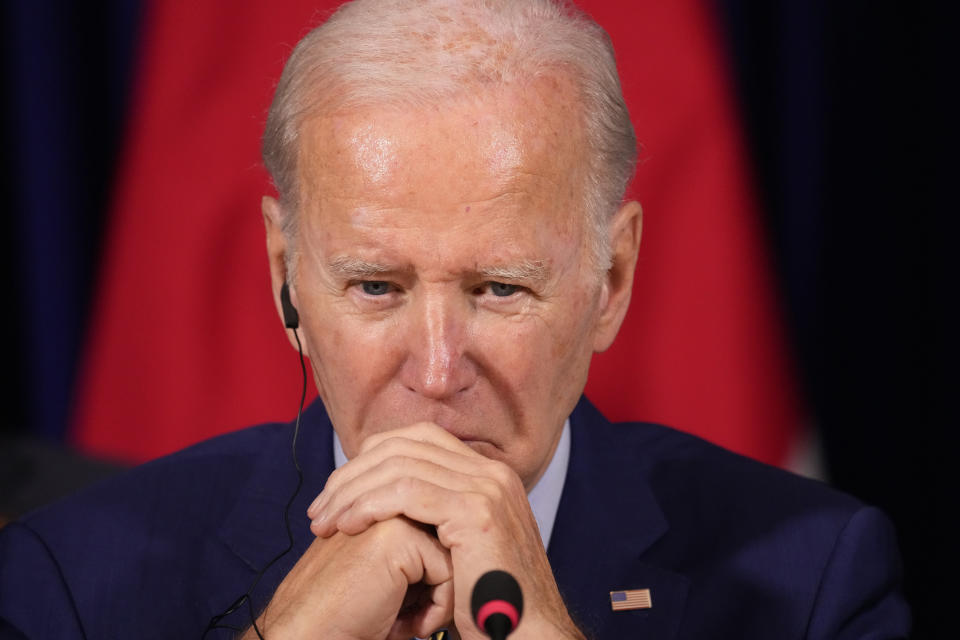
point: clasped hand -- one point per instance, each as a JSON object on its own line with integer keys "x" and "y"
{"x": 404, "y": 530}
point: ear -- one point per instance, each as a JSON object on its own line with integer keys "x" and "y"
{"x": 277, "y": 249}
{"x": 625, "y": 229}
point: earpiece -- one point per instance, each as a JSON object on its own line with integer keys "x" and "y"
{"x": 291, "y": 319}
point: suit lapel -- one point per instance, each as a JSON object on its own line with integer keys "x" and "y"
{"x": 607, "y": 520}
{"x": 254, "y": 532}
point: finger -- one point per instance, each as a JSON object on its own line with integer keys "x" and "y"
{"x": 394, "y": 473}
{"x": 420, "y": 432}
{"x": 393, "y": 447}
{"x": 451, "y": 511}
{"x": 435, "y": 562}
{"x": 374, "y": 572}
{"x": 427, "y": 619}
{"x": 433, "y": 568}
{"x": 464, "y": 459}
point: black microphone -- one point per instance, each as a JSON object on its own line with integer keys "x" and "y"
{"x": 496, "y": 604}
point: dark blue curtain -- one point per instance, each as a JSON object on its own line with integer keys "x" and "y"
{"x": 849, "y": 112}
{"x": 66, "y": 77}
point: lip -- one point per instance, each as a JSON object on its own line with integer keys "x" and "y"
{"x": 447, "y": 420}
{"x": 466, "y": 437}
{"x": 463, "y": 437}
{"x": 485, "y": 448}
{"x": 458, "y": 421}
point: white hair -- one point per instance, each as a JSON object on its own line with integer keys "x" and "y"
{"x": 420, "y": 52}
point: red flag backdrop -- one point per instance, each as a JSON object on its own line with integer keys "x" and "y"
{"x": 185, "y": 342}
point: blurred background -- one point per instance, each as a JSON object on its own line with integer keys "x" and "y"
{"x": 792, "y": 298}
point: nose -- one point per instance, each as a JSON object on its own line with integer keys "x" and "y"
{"x": 437, "y": 365}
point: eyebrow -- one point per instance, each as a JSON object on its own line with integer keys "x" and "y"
{"x": 350, "y": 268}
{"x": 528, "y": 270}
{"x": 355, "y": 268}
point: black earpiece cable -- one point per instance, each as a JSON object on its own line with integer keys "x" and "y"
{"x": 245, "y": 598}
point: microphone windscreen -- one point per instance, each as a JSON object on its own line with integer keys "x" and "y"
{"x": 496, "y": 603}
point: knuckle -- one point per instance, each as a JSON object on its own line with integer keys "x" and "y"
{"x": 501, "y": 473}
{"x": 488, "y": 486}
{"x": 389, "y": 529}
{"x": 483, "y": 508}
{"x": 370, "y": 442}
{"x": 379, "y": 538}
{"x": 385, "y": 441}
{"x": 334, "y": 476}
{"x": 394, "y": 445}
{"x": 424, "y": 427}
{"x": 406, "y": 485}
{"x": 361, "y": 504}
{"x": 402, "y": 465}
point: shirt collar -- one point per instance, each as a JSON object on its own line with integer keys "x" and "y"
{"x": 544, "y": 497}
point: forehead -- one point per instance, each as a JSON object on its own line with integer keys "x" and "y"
{"x": 523, "y": 140}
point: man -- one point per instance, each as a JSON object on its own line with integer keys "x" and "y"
{"x": 451, "y": 232}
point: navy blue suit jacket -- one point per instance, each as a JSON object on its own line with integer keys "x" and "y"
{"x": 728, "y": 547}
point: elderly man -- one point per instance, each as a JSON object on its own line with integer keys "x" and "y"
{"x": 450, "y": 247}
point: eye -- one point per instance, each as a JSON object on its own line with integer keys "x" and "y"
{"x": 375, "y": 287}
{"x": 503, "y": 290}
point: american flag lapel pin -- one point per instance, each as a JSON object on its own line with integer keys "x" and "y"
{"x": 630, "y": 599}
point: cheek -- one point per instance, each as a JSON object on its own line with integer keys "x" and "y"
{"x": 506, "y": 350}
{"x": 533, "y": 356}
{"x": 569, "y": 346}
{"x": 348, "y": 356}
